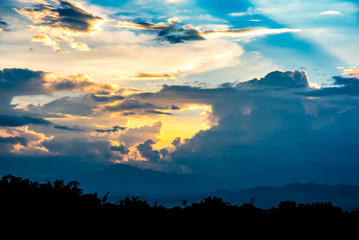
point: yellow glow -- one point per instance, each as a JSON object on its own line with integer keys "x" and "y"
{"x": 184, "y": 124}
{"x": 150, "y": 76}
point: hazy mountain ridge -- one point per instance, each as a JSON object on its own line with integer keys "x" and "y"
{"x": 171, "y": 189}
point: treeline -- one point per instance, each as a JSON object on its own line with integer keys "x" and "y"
{"x": 57, "y": 205}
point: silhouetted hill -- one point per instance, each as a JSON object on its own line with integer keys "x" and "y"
{"x": 123, "y": 179}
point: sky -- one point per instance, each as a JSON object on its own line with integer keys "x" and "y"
{"x": 257, "y": 91}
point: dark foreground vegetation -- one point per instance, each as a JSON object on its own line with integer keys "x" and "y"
{"x": 65, "y": 207}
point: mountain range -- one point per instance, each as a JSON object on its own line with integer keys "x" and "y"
{"x": 171, "y": 189}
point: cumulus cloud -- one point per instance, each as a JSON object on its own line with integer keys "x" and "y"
{"x": 288, "y": 79}
{"x": 341, "y": 86}
{"x": 148, "y": 152}
{"x": 270, "y": 128}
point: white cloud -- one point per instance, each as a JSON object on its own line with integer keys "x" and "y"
{"x": 331, "y": 12}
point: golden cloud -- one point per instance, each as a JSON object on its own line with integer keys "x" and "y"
{"x": 60, "y": 22}
{"x": 22, "y": 140}
{"x": 55, "y": 82}
{"x": 353, "y": 72}
{"x": 150, "y": 76}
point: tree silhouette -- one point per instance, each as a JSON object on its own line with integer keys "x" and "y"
{"x": 65, "y": 207}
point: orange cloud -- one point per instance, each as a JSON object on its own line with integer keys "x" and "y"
{"x": 352, "y": 72}
{"x": 22, "y": 140}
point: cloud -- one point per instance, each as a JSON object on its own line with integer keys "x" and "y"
{"x": 142, "y": 25}
{"x": 172, "y": 33}
{"x": 114, "y": 129}
{"x": 3, "y": 26}
{"x": 16, "y": 121}
{"x": 331, "y": 12}
{"x": 21, "y": 140}
{"x": 136, "y": 107}
{"x": 82, "y": 147}
{"x": 268, "y": 130}
{"x": 82, "y": 106}
{"x": 352, "y": 72}
{"x": 74, "y": 129}
{"x": 150, "y": 76}
{"x": 106, "y": 98}
{"x": 341, "y": 86}
{"x": 158, "y": 112}
{"x": 134, "y": 136}
{"x": 246, "y": 32}
{"x": 129, "y": 104}
{"x": 120, "y": 149}
{"x": 66, "y": 14}
{"x": 250, "y": 11}
{"x": 147, "y": 151}
{"x": 25, "y": 82}
{"x": 288, "y": 79}
{"x": 60, "y": 21}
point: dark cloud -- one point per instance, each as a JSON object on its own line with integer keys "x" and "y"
{"x": 342, "y": 86}
{"x": 17, "y": 82}
{"x": 104, "y": 98}
{"x": 65, "y": 14}
{"x": 83, "y": 148}
{"x": 4, "y": 26}
{"x": 82, "y": 106}
{"x": 16, "y": 121}
{"x": 74, "y": 129}
{"x": 158, "y": 112}
{"x": 147, "y": 151}
{"x": 132, "y": 107}
{"x": 13, "y": 141}
{"x": 114, "y": 129}
{"x": 129, "y": 104}
{"x": 26, "y": 82}
{"x": 296, "y": 79}
{"x": 176, "y": 142}
{"x": 270, "y": 132}
{"x": 120, "y": 149}
{"x": 173, "y": 33}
